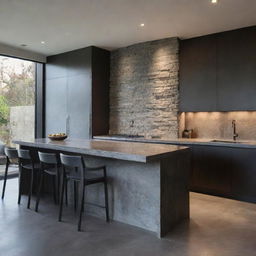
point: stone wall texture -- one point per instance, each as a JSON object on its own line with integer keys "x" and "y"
{"x": 144, "y": 89}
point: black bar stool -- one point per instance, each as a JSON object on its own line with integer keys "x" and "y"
{"x": 50, "y": 166}
{"x": 74, "y": 169}
{"x": 11, "y": 156}
{"x": 27, "y": 163}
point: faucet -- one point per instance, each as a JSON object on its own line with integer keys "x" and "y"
{"x": 235, "y": 134}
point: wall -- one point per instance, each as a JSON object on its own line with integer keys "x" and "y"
{"x": 76, "y": 93}
{"x": 144, "y": 89}
{"x": 68, "y": 93}
{"x": 20, "y": 53}
{"x": 218, "y": 124}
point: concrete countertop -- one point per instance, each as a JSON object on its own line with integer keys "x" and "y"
{"x": 184, "y": 142}
{"x": 131, "y": 151}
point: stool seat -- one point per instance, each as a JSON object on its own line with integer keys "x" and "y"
{"x": 30, "y": 166}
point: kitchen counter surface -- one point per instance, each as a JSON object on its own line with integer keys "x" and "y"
{"x": 131, "y": 151}
{"x": 184, "y": 142}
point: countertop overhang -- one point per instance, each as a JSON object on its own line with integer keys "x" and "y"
{"x": 130, "y": 151}
{"x": 184, "y": 141}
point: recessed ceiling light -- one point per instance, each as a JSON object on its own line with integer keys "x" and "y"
{"x": 214, "y": 1}
{"x": 42, "y": 42}
{"x": 142, "y": 24}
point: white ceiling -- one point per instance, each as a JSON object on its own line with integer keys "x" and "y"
{"x": 70, "y": 24}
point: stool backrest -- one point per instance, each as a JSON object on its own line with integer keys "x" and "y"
{"x": 11, "y": 153}
{"x": 24, "y": 154}
{"x": 74, "y": 163}
{"x": 48, "y": 158}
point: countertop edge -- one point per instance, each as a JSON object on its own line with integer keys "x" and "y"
{"x": 100, "y": 153}
{"x": 181, "y": 142}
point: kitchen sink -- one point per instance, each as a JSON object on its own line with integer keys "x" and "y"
{"x": 225, "y": 141}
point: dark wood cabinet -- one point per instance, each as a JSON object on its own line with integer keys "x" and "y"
{"x": 236, "y": 65}
{"x": 224, "y": 171}
{"x": 211, "y": 170}
{"x": 244, "y": 174}
{"x": 198, "y": 74}
{"x": 217, "y": 72}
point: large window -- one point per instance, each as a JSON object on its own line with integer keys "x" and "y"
{"x": 17, "y": 99}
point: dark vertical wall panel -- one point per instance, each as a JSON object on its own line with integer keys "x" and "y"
{"x": 100, "y": 91}
{"x": 39, "y": 106}
{"x": 77, "y": 93}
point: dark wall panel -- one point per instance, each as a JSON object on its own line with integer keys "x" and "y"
{"x": 77, "y": 93}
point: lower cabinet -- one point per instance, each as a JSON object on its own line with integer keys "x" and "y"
{"x": 224, "y": 171}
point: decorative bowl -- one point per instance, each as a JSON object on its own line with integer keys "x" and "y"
{"x": 57, "y": 136}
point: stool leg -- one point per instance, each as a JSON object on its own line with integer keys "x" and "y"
{"x": 5, "y": 177}
{"x": 64, "y": 180}
{"x": 66, "y": 191}
{"x": 81, "y": 207}
{"x": 20, "y": 177}
{"x": 75, "y": 196}
{"x": 106, "y": 195}
{"x": 54, "y": 189}
{"x": 31, "y": 187}
{"x": 39, "y": 190}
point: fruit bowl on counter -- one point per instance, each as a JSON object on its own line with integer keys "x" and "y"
{"x": 57, "y": 136}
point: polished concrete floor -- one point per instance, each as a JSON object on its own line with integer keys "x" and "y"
{"x": 218, "y": 227}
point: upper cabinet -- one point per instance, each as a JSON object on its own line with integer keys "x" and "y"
{"x": 236, "y": 70}
{"x": 198, "y": 74}
{"x": 217, "y": 72}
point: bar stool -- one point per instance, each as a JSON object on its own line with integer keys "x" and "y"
{"x": 74, "y": 169}
{"x": 11, "y": 154}
{"x": 50, "y": 166}
{"x": 26, "y": 163}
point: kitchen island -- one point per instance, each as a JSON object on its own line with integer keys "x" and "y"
{"x": 148, "y": 183}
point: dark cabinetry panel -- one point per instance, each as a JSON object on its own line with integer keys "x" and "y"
{"x": 211, "y": 170}
{"x": 236, "y": 65}
{"x": 77, "y": 93}
{"x": 244, "y": 174}
{"x": 217, "y": 72}
{"x": 224, "y": 171}
{"x": 198, "y": 74}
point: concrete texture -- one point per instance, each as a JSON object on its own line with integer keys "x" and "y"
{"x": 137, "y": 152}
{"x": 144, "y": 89}
{"x": 217, "y": 227}
{"x": 22, "y": 123}
{"x": 153, "y": 196}
{"x": 218, "y": 124}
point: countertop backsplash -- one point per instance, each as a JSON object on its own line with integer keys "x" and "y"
{"x": 219, "y": 124}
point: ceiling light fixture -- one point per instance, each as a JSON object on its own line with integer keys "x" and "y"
{"x": 42, "y": 42}
{"x": 214, "y": 1}
{"x": 142, "y": 24}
